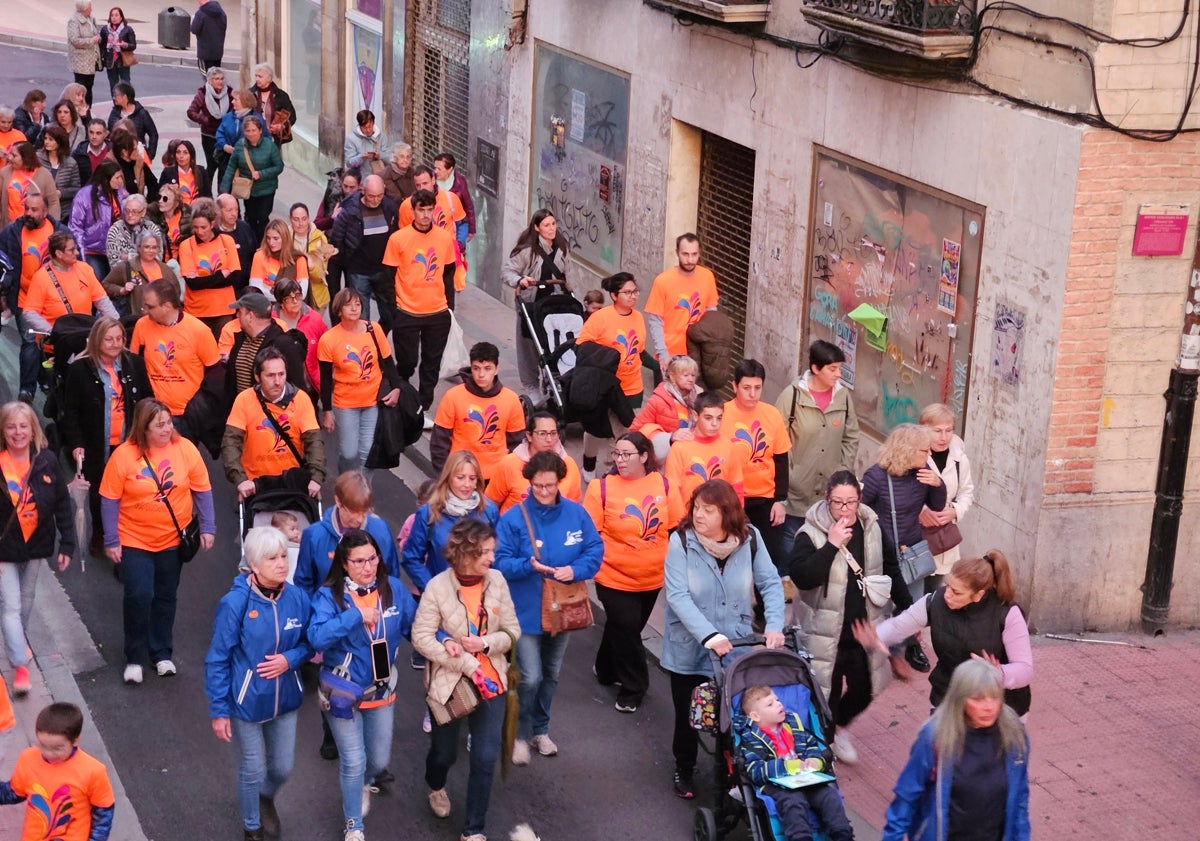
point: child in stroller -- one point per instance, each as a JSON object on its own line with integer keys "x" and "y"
{"x": 777, "y": 751}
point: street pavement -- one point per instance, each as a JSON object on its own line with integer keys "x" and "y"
{"x": 1113, "y": 736}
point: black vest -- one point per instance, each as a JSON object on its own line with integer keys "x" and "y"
{"x": 957, "y": 634}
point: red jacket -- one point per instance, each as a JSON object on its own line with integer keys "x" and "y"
{"x": 662, "y": 413}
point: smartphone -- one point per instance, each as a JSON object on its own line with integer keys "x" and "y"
{"x": 381, "y": 663}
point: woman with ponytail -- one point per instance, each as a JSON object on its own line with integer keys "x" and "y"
{"x": 972, "y": 615}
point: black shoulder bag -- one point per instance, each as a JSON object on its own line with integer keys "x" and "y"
{"x": 189, "y": 538}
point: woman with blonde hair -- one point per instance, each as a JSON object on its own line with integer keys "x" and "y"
{"x": 670, "y": 413}
{"x": 277, "y": 259}
{"x": 36, "y": 508}
{"x": 77, "y": 95}
{"x": 173, "y": 217}
{"x": 950, "y": 458}
{"x": 898, "y": 487}
{"x": 968, "y": 773}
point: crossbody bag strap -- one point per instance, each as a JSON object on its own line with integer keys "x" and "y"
{"x": 537, "y": 555}
{"x": 163, "y": 493}
{"x": 892, "y": 506}
{"x": 59, "y": 289}
{"x": 792, "y": 416}
{"x": 383, "y": 383}
{"x": 278, "y": 428}
{"x": 246, "y": 152}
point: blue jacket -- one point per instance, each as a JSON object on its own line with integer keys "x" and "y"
{"x": 914, "y": 812}
{"x": 568, "y": 537}
{"x": 425, "y": 549}
{"x": 229, "y": 130}
{"x": 320, "y": 539}
{"x": 337, "y": 632}
{"x": 248, "y": 628}
{"x": 762, "y": 762}
{"x": 703, "y": 601}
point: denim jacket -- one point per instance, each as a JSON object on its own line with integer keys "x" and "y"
{"x": 703, "y": 601}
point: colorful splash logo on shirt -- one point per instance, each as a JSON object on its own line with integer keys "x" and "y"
{"x": 364, "y": 359}
{"x": 54, "y": 810}
{"x": 39, "y": 252}
{"x": 439, "y": 217}
{"x": 629, "y": 345}
{"x": 754, "y": 437}
{"x": 429, "y": 261}
{"x": 21, "y": 187}
{"x": 692, "y": 304}
{"x": 487, "y": 418}
{"x": 208, "y": 265}
{"x": 646, "y": 513}
{"x": 167, "y": 349}
{"x": 711, "y": 469}
{"x": 278, "y": 445}
{"x": 166, "y": 478}
{"x": 22, "y": 499}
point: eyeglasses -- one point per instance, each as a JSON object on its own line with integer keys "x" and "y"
{"x": 297, "y": 295}
{"x": 631, "y": 292}
{"x": 621, "y": 455}
{"x": 553, "y": 486}
{"x": 843, "y": 503}
{"x": 544, "y": 434}
{"x": 362, "y": 562}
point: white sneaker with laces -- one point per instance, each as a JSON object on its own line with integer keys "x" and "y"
{"x": 355, "y": 835}
{"x": 164, "y": 668}
{"x": 589, "y": 475}
{"x": 843, "y": 748}
{"x": 133, "y": 673}
{"x": 544, "y": 745}
{"x": 520, "y": 753}
{"x": 426, "y": 723}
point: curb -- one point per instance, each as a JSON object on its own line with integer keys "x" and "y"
{"x": 169, "y": 58}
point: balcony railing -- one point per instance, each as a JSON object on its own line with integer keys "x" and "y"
{"x": 936, "y": 29}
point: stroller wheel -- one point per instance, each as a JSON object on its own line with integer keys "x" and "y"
{"x": 526, "y": 406}
{"x": 704, "y": 827}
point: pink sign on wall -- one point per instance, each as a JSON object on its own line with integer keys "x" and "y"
{"x": 1160, "y": 231}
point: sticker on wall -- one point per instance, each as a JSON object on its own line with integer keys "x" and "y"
{"x": 948, "y": 283}
{"x": 846, "y": 338}
{"x": 1008, "y": 334}
{"x": 578, "y": 115}
{"x": 558, "y": 137}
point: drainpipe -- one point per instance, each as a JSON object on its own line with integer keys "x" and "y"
{"x": 1172, "y": 464}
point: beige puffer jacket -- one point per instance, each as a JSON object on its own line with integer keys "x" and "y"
{"x": 442, "y": 608}
{"x": 83, "y": 55}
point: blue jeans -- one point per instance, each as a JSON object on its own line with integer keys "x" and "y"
{"x": 268, "y": 751}
{"x": 484, "y": 726}
{"x": 151, "y": 582}
{"x": 376, "y": 286}
{"x": 364, "y": 745}
{"x": 115, "y": 75}
{"x": 355, "y": 430}
{"x": 17, "y": 583}
{"x": 787, "y": 539}
{"x": 540, "y": 657}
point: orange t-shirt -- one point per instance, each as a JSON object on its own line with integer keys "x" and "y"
{"x": 116, "y": 408}
{"x": 11, "y": 137}
{"x": 16, "y": 473}
{"x": 626, "y": 334}
{"x": 692, "y": 463}
{"x": 176, "y": 357}
{"x": 187, "y": 186}
{"x": 371, "y": 600}
{"x": 757, "y": 437}
{"x": 264, "y": 452}
{"x": 144, "y": 522}
{"x": 479, "y": 424}
{"x": 472, "y": 597}
{"x": 35, "y": 251}
{"x": 78, "y": 283}
{"x": 419, "y": 260}
{"x": 204, "y": 259}
{"x": 632, "y": 516}
{"x": 679, "y": 300}
{"x": 508, "y": 487}
{"x": 356, "y": 372}
{"x": 447, "y": 210}
{"x": 59, "y": 796}
{"x": 18, "y": 187}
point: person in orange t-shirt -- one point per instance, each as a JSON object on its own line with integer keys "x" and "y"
{"x": 479, "y": 415}
{"x": 448, "y": 210}
{"x": 509, "y": 485}
{"x": 678, "y": 298}
{"x": 276, "y": 260}
{"x": 708, "y": 455}
{"x": 153, "y": 481}
{"x": 209, "y": 265}
{"x": 9, "y": 136}
{"x": 633, "y": 510}
{"x": 26, "y": 243}
{"x": 64, "y": 276}
{"x": 67, "y": 793}
{"x": 254, "y": 445}
{"x": 760, "y": 440}
{"x": 177, "y": 347}
{"x": 423, "y": 256}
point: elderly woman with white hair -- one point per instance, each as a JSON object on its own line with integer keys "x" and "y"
{"x": 398, "y": 175}
{"x": 83, "y": 46}
{"x": 127, "y": 281}
{"x": 208, "y": 106}
{"x": 274, "y": 104}
{"x": 670, "y": 415}
{"x": 252, "y": 675}
{"x": 125, "y": 233}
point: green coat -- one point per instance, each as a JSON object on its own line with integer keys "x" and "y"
{"x": 266, "y": 159}
{"x": 822, "y": 442}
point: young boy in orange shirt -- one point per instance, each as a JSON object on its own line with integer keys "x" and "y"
{"x": 708, "y": 455}
{"x": 67, "y": 793}
{"x": 480, "y": 415}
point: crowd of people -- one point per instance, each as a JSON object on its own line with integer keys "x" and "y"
{"x": 212, "y": 324}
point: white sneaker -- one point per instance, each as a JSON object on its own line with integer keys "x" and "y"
{"x": 355, "y": 835}
{"x": 544, "y": 745}
{"x": 843, "y": 748}
{"x": 133, "y": 673}
{"x": 366, "y": 800}
{"x": 164, "y": 668}
{"x": 589, "y": 475}
{"x": 426, "y": 723}
{"x": 520, "y": 754}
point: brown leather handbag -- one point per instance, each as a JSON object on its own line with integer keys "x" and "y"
{"x": 566, "y": 606}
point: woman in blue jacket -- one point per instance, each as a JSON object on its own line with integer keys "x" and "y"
{"x": 252, "y": 675}
{"x": 569, "y": 549}
{"x": 715, "y": 560}
{"x": 968, "y": 773}
{"x": 355, "y": 613}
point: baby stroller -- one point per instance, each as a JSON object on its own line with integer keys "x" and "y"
{"x": 258, "y": 510}
{"x": 67, "y": 339}
{"x": 553, "y": 321}
{"x": 788, "y": 672}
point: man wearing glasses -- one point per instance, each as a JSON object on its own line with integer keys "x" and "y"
{"x": 509, "y": 486}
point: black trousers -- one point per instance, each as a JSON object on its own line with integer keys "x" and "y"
{"x": 685, "y": 741}
{"x": 758, "y": 509}
{"x": 208, "y": 143}
{"x": 793, "y": 805}
{"x": 852, "y": 667}
{"x": 423, "y": 335}
{"x": 87, "y": 80}
{"x": 621, "y": 657}
{"x": 258, "y": 213}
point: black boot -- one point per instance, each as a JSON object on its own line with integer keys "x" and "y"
{"x": 916, "y": 658}
{"x": 253, "y": 835}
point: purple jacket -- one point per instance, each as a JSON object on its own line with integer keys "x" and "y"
{"x": 459, "y": 189}
{"x": 91, "y": 229}
{"x": 910, "y": 495}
